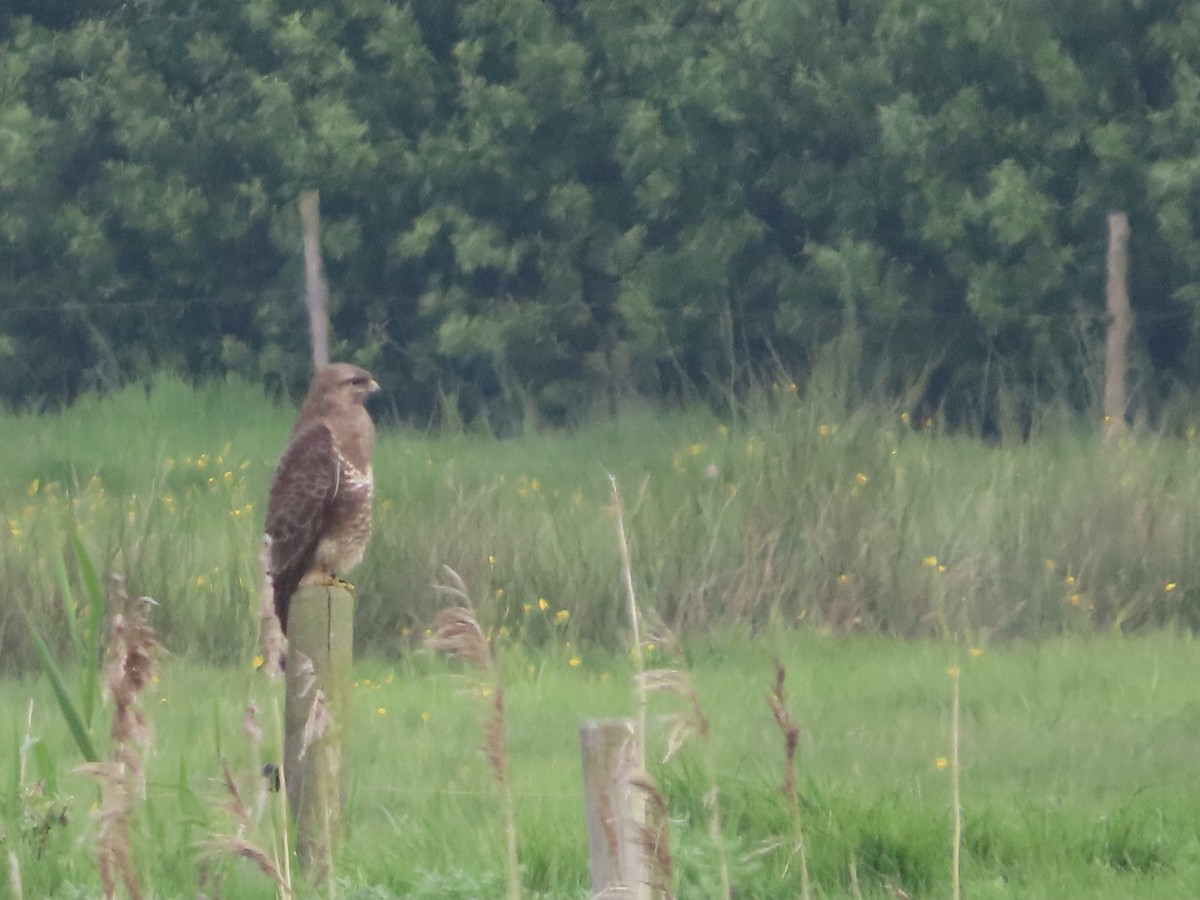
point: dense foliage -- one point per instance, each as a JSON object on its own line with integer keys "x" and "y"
{"x": 538, "y": 207}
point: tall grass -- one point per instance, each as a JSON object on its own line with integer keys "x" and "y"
{"x": 799, "y": 511}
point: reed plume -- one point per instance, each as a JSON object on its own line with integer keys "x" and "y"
{"x": 133, "y": 650}
{"x": 457, "y": 634}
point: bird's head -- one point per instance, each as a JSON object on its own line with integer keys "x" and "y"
{"x": 340, "y": 385}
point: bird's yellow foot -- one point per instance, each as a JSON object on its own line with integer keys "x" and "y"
{"x": 320, "y": 579}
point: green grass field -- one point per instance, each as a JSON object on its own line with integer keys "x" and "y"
{"x": 1079, "y": 773}
{"x": 1061, "y": 576}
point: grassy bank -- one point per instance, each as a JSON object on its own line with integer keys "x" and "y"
{"x": 851, "y": 522}
{"x": 1060, "y": 579}
{"x": 1079, "y": 772}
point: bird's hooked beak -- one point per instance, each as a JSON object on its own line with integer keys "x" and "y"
{"x": 373, "y": 388}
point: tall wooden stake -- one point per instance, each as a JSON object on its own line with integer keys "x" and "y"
{"x": 316, "y": 716}
{"x": 1120, "y": 324}
{"x": 316, "y": 292}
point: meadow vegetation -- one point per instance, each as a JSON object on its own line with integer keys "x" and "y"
{"x": 1079, "y": 773}
{"x": 800, "y": 510}
{"x": 1055, "y": 577}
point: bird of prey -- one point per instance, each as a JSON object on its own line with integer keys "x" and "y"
{"x": 319, "y": 512}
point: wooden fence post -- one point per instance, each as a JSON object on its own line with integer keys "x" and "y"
{"x": 616, "y": 812}
{"x": 316, "y": 716}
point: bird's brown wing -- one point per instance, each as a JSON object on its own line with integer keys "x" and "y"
{"x": 302, "y": 492}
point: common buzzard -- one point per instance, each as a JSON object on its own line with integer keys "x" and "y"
{"x": 319, "y": 513}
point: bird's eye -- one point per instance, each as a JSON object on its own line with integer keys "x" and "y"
{"x": 359, "y": 381}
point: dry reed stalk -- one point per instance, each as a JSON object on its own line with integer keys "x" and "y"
{"x": 14, "y": 877}
{"x": 318, "y": 719}
{"x": 132, "y": 652}
{"x": 274, "y": 654}
{"x": 855, "y": 890}
{"x": 457, "y": 634}
{"x": 239, "y": 844}
{"x": 955, "y": 785}
{"x": 635, "y": 638}
{"x": 790, "y": 729}
{"x": 244, "y": 816}
{"x": 682, "y": 726}
{"x": 653, "y": 838}
{"x": 273, "y": 638}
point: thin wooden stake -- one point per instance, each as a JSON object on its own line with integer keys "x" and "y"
{"x": 1120, "y": 324}
{"x": 955, "y": 783}
{"x": 316, "y": 291}
{"x": 635, "y": 632}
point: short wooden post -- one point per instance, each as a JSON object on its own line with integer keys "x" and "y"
{"x": 316, "y": 715}
{"x": 616, "y": 812}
